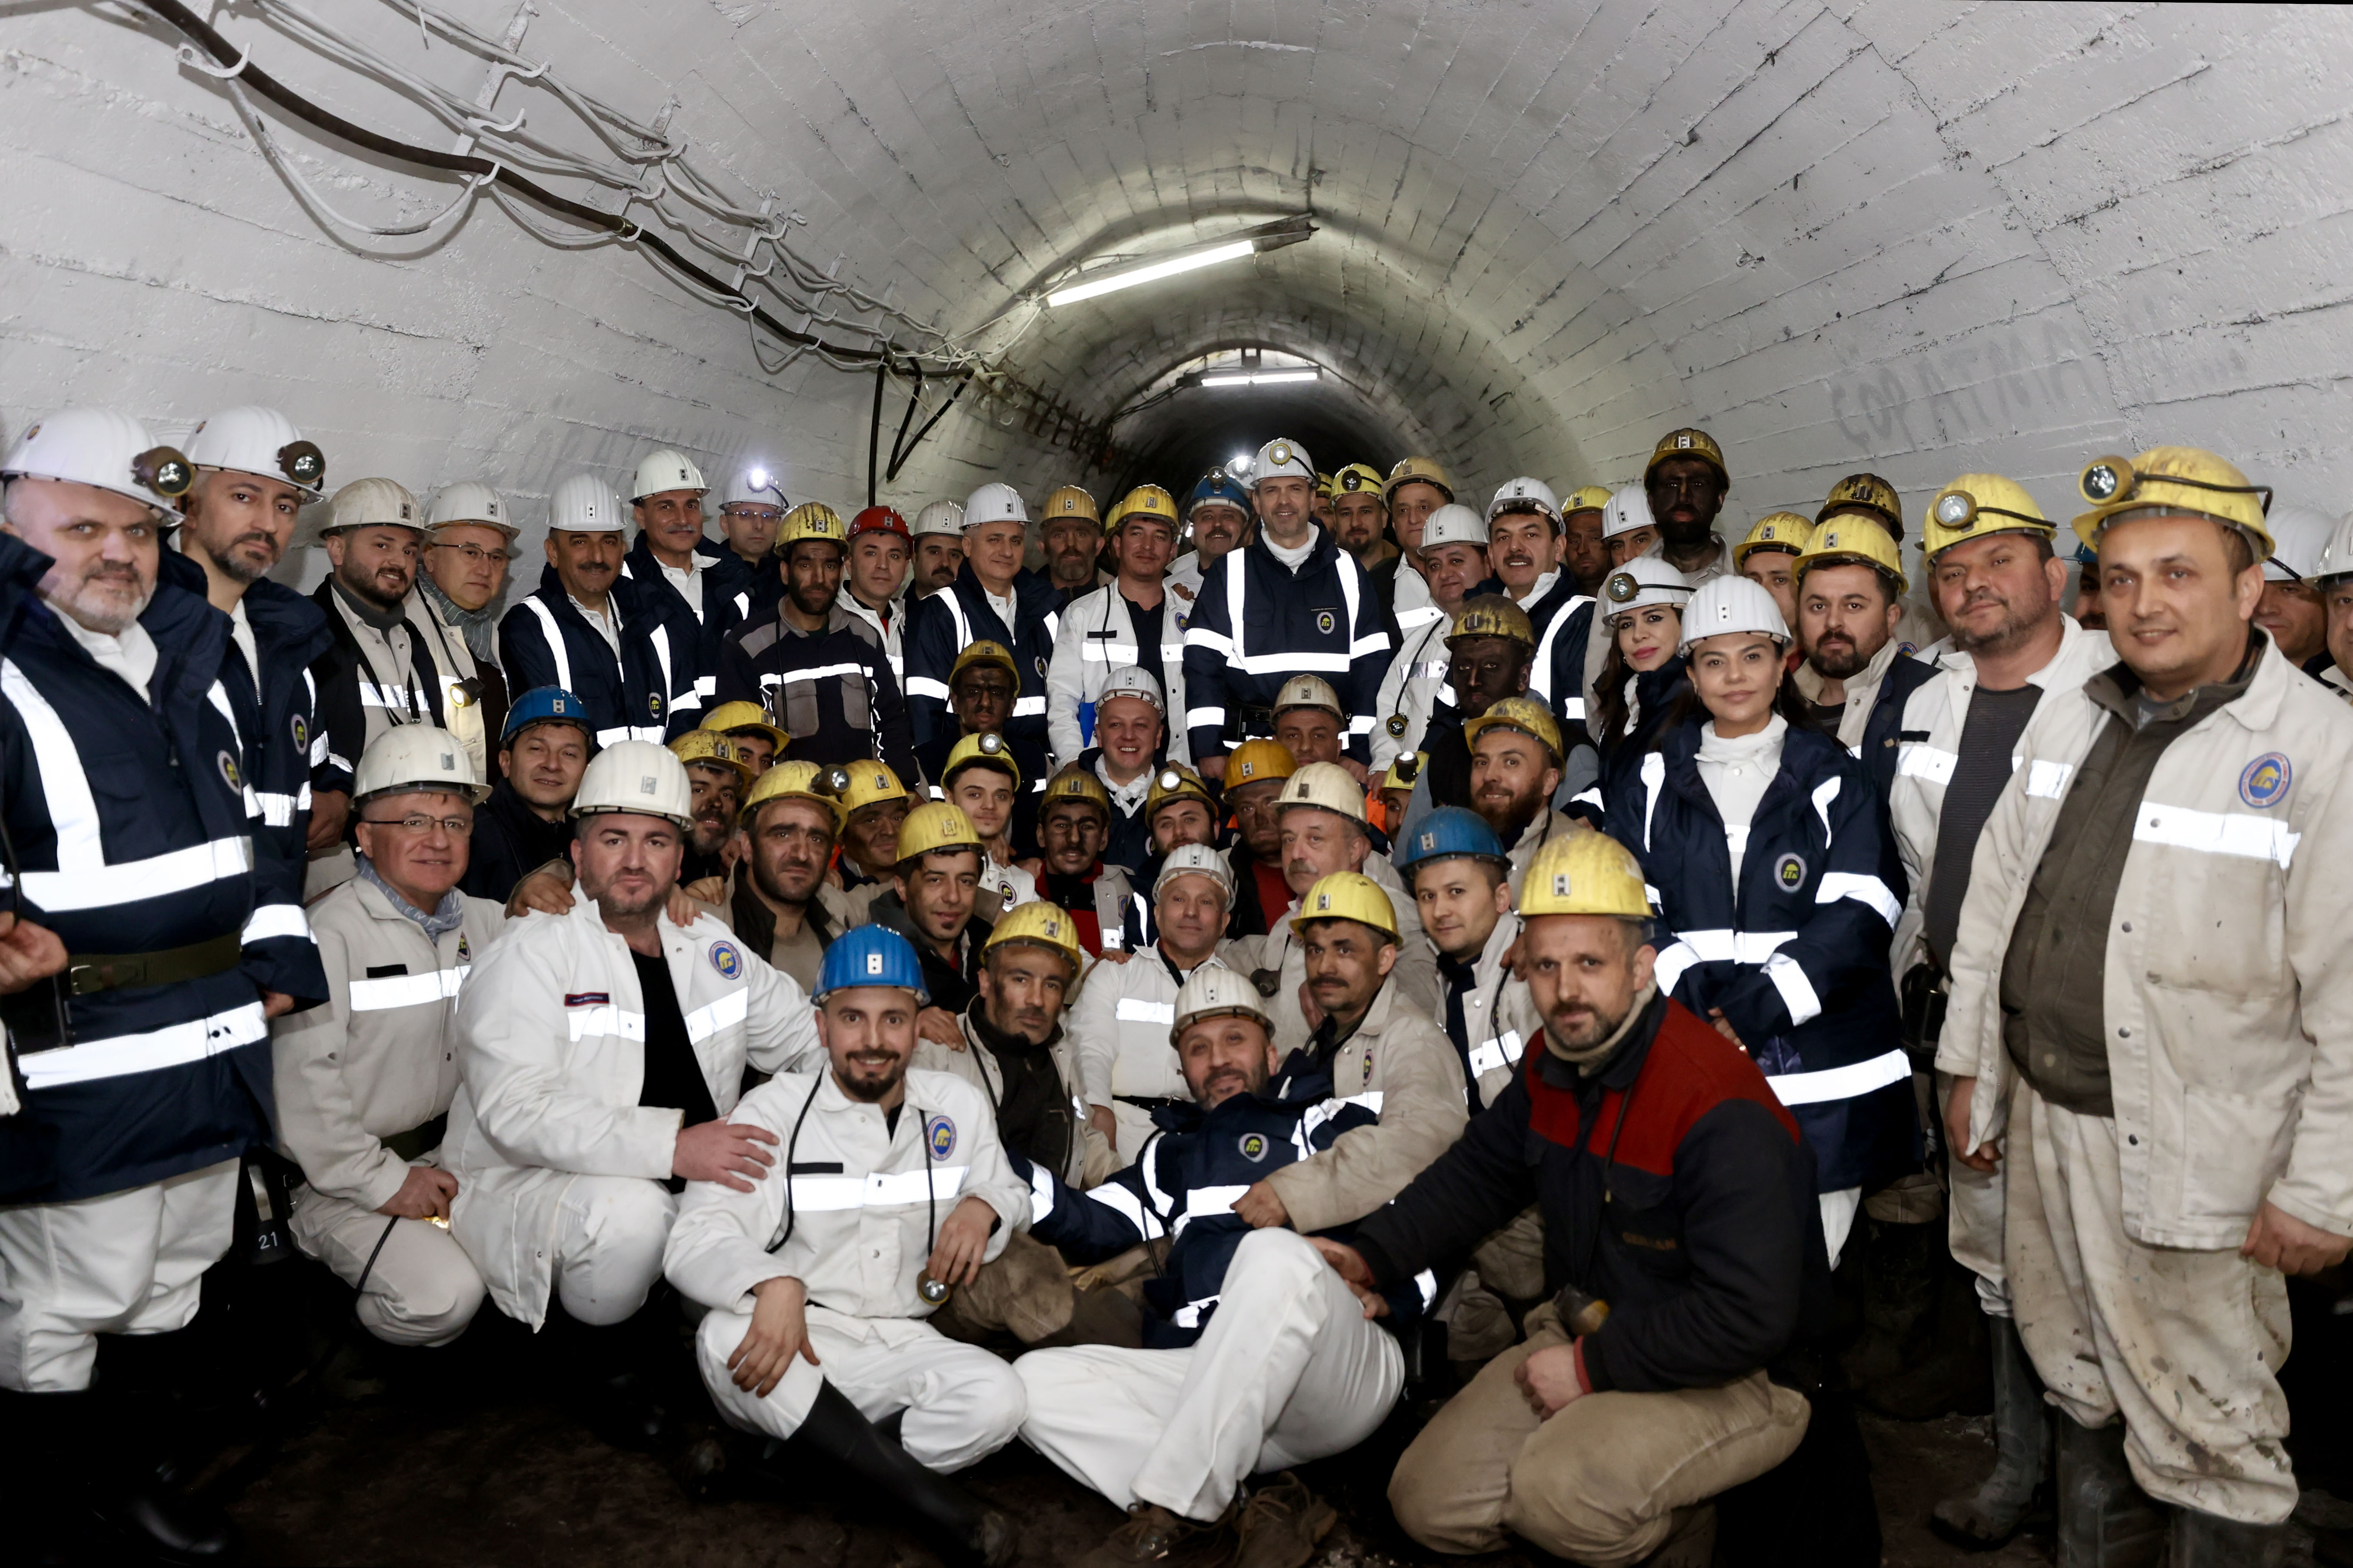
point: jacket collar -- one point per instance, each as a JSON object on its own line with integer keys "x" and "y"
{"x": 2255, "y": 705}
{"x": 1321, "y": 549}
{"x": 1624, "y": 1063}
{"x": 620, "y": 599}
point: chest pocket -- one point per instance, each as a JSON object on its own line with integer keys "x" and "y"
{"x": 804, "y": 700}
{"x": 1642, "y": 1225}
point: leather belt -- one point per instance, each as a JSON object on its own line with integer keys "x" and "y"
{"x": 418, "y": 1141}
{"x": 87, "y": 972}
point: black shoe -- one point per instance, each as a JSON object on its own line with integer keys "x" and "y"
{"x": 85, "y": 1459}
{"x": 152, "y": 1516}
{"x": 2105, "y": 1521}
{"x": 1981, "y": 1520}
{"x": 966, "y": 1530}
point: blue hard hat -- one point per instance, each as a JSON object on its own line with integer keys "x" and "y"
{"x": 871, "y": 955}
{"x": 1446, "y": 833}
{"x": 1216, "y": 486}
{"x": 543, "y": 703}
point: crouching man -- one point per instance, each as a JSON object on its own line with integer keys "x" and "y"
{"x": 1681, "y": 1232}
{"x": 1258, "y": 1357}
{"x": 364, "y": 1081}
{"x": 895, "y": 1191}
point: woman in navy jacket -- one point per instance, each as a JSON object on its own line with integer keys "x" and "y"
{"x": 1762, "y": 841}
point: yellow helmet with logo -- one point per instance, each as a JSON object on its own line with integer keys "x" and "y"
{"x": 1492, "y": 615}
{"x": 1324, "y": 487}
{"x": 1040, "y": 925}
{"x": 1327, "y": 786}
{"x": 1069, "y": 502}
{"x": 1075, "y": 783}
{"x": 857, "y": 785}
{"x": 794, "y": 780}
{"x": 1585, "y": 874}
{"x": 710, "y": 750}
{"x": 1779, "y": 531}
{"x": 1175, "y": 781}
{"x": 985, "y": 652}
{"x": 728, "y": 717}
{"x": 1354, "y": 478}
{"x": 1585, "y": 497}
{"x": 1254, "y": 762}
{"x": 1868, "y": 493}
{"x": 1688, "y": 443}
{"x": 986, "y": 749}
{"x": 1347, "y": 896}
{"x": 2175, "y": 479}
{"x": 1416, "y": 470}
{"x": 811, "y": 520}
{"x": 1852, "y": 540}
{"x": 935, "y": 826}
{"x": 1522, "y": 713}
{"x": 1975, "y": 505}
{"x": 1143, "y": 500}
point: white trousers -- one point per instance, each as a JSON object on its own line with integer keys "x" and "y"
{"x": 422, "y": 1289}
{"x": 1839, "y": 1209}
{"x": 131, "y": 1262}
{"x": 962, "y": 1404}
{"x": 609, "y": 1234}
{"x": 1973, "y": 1224}
{"x": 1288, "y": 1369}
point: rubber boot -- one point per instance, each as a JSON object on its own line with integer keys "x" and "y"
{"x": 2209, "y": 1540}
{"x": 120, "y": 1467}
{"x": 2105, "y": 1521}
{"x": 1953, "y": 1371}
{"x": 611, "y": 1382}
{"x": 1984, "y": 1518}
{"x": 965, "y": 1530}
{"x": 1899, "y": 1265}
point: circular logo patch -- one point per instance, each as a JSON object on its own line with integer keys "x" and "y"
{"x": 1041, "y": 667}
{"x": 1252, "y": 1145}
{"x": 301, "y": 736}
{"x": 1789, "y": 871}
{"x": 727, "y": 960}
{"x": 228, "y": 771}
{"x": 1324, "y": 622}
{"x": 2265, "y": 780}
{"x": 939, "y": 1137}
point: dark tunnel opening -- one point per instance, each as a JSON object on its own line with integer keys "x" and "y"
{"x": 1200, "y": 429}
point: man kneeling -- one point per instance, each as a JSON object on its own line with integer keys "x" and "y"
{"x": 1681, "y": 1232}
{"x": 818, "y": 1284}
{"x": 1261, "y": 1357}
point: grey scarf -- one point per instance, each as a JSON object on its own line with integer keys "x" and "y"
{"x": 479, "y": 628}
{"x": 436, "y": 925}
{"x": 1593, "y": 1056}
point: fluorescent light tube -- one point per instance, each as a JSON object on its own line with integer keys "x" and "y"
{"x": 1157, "y": 270}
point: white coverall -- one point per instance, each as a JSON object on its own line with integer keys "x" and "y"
{"x": 562, "y": 1168}
{"x": 1288, "y": 1370}
{"x": 1121, "y": 1020}
{"x": 1097, "y": 636}
{"x": 867, "y": 1202}
{"x": 378, "y": 1060}
{"x": 1416, "y": 681}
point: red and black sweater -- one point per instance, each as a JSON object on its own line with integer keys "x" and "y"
{"x": 1696, "y": 1220}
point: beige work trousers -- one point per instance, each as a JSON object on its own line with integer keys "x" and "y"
{"x": 421, "y": 1287}
{"x": 1597, "y": 1483}
{"x": 2186, "y": 1345}
{"x": 1973, "y": 1224}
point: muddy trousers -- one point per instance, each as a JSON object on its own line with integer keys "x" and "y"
{"x": 1599, "y": 1482}
{"x": 2185, "y": 1343}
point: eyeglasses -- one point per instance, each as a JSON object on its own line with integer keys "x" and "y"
{"x": 472, "y": 553}
{"x": 417, "y": 821}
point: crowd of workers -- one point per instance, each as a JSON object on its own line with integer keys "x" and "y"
{"x": 869, "y": 992}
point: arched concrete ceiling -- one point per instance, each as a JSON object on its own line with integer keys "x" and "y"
{"x": 1914, "y": 235}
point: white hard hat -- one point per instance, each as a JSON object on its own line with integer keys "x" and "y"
{"x": 366, "y": 504}
{"x": 665, "y": 470}
{"x": 638, "y": 778}
{"x": 1645, "y": 580}
{"x": 255, "y": 440}
{"x": 1519, "y": 495}
{"x": 1729, "y": 604}
{"x": 2300, "y": 536}
{"x": 103, "y": 450}
{"x": 1454, "y": 523}
{"x": 1309, "y": 691}
{"x": 2336, "y": 559}
{"x": 940, "y": 517}
{"x": 1194, "y": 860}
{"x": 1628, "y": 508}
{"x": 584, "y": 504}
{"x": 754, "y": 486}
{"x": 993, "y": 503}
{"x": 1327, "y": 786}
{"x": 1213, "y": 991}
{"x": 471, "y": 500}
{"x": 415, "y": 757}
{"x": 1281, "y": 458}
{"x": 1131, "y": 680}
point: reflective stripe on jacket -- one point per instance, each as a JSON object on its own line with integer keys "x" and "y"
{"x": 1258, "y": 623}
{"x": 544, "y": 640}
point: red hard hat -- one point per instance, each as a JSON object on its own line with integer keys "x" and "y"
{"x": 880, "y": 519}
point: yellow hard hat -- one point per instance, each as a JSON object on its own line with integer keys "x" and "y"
{"x": 728, "y": 717}
{"x": 1309, "y": 691}
{"x": 1585, "y": 497}
{"x": 794, "y": 780}
{"x": 710, "y": 749}
{"x": 1070, "y": 502}
{"x": 1254, "y": 761}
{"x": 985, "y": 652}
{"x": 2178, "y": 480}
{"x": 1522, "y": 713}
{"x": 1323, "y": 486}
{"x": 935, "y": 825}
{"x": 1075, "y": 783}
{"x": 1347, "y": 896}
{"x": 1405, "y": 771}
{"x": 1779, "y": 531}
{"x": 811, "y": 520}
{"x": 1688, "y": 443}
{"x": 1327, "y": 786}
{"x": 1849, "y": 542}
{"x": 1871, "y": 494}
{"x": 1175, "y": 781}
{"x": 1975, "y": 505}
{"x": 856, "y": 786}
{"x": 1143, "y": 500}
{"x": 1040, "y": 925}
{"x": 1494, "y": 615}
{"x": 1416, "y": 470}
{"x": 985, "y": 750}
{"x": 1356, "y": 477}
{"x": 1585, "y": 874}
